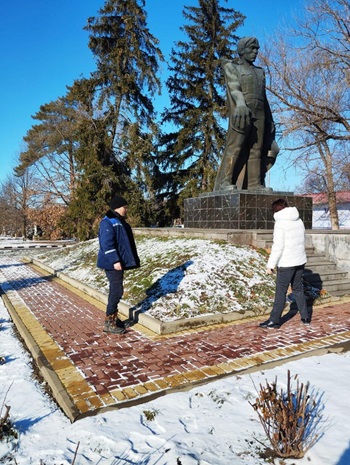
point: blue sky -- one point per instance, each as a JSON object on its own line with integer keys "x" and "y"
{"x": 44, "y": 49}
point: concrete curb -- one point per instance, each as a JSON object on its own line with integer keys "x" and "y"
{"x": 34, "y": 245}
{"x": 147, "y": 321}
{"x": 77, "y": 400}
{"x": 16, "y": 307}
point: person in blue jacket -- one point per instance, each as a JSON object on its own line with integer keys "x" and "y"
{"x": 117, "y": 252}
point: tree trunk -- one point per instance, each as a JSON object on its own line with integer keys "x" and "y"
{"x": 331, "y": 195}
{"x": 333, "y": 212}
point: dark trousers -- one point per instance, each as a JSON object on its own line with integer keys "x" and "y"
{"x": 292, "y": 275}
{"x": 115, "y": 278}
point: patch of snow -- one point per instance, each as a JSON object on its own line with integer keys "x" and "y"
{"x": 179, "y": 278}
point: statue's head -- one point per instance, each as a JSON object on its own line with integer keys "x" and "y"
{"x": 245, "y": 43}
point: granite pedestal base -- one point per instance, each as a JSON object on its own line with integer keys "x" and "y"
{"x": 241, "y": 209}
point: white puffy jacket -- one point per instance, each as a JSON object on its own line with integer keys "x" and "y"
{"x": 288, "y": 247}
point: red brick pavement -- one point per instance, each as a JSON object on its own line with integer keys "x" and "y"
{"x": 110, "y": 362}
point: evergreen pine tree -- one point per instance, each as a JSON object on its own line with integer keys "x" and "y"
{"x": 105, "y": 124}
{"x": 114, "y": 137}
{"x": 191, "y": 152}
{"x": 128, "y": 60}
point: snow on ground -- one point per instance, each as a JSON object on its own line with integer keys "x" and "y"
{"x": 179, "y": 278}
{"x": 209, "y": 425}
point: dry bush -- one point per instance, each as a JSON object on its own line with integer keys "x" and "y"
{"x": 289, "y": 418}
{"x": 6, "y": 427}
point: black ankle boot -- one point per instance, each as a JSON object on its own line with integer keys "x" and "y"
{"x": 269, "y": 324}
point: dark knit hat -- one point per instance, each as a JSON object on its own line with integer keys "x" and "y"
{"x": 117, "y": 202}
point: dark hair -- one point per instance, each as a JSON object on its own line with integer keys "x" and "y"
{"x": 278, "y": 205}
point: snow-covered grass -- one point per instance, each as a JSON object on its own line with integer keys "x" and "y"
{"x": 179, "y": 278}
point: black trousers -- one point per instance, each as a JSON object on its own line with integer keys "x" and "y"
{"x": 115, "y": 278}
{"x": 292, "y": 275}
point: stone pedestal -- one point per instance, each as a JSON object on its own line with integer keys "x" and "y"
{"x": 241, "y": 209}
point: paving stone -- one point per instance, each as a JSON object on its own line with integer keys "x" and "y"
{"x": 96, "y": 369}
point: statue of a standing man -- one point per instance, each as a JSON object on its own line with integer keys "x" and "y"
{"x": 250, "y": 148}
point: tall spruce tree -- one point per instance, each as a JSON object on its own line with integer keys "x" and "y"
{"x": 114, "y": 138}
{"x": 191, "y": 151}
{"x": 128, "y": 60}
{"x": 127, "y": 57}
{"x": 104, "y": 126}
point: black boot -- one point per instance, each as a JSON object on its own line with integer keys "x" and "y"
{"x": 269, "y": 324}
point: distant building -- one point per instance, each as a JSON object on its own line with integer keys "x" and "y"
{"x": 320, "y": 210}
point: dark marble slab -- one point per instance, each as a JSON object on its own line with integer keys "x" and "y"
{"x": 236, "y": 209}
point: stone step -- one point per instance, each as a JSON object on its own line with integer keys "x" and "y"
{"x": 333, "y": 280}
{"x": 310, "y": 250}
{"x": 268, "y": 244}
{"x": 311, "y": 276}
{"x": 320, "y": 272}
{"x": 329, "y": 283}
{"x": 265, "y": 238}
{"x": 320, "y": 267}
{"x": 335, "y": 287}
{"x": 263, "y": 244}
{"x": 316, "y": 261}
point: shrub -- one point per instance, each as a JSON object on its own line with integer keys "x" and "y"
{"x": 6, "y": 428}
{"x": 289, "y": 418}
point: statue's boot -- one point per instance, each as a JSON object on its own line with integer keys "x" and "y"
{"x": 224, "y": 177}
{"x": 254, "y": 175}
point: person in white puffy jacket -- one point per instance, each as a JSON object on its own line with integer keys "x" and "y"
{"x": 289, "y": 256}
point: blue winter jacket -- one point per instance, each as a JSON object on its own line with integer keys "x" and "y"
{"x": 116, "y": 243}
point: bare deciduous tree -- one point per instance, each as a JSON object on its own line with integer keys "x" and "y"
{"x": 308, "y": 68}
{"x": 17, "y": 196}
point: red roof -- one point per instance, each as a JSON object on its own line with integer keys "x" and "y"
{"x": 320, "y": 198}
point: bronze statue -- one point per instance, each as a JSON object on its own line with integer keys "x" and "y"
{"x": 251, "y": 148}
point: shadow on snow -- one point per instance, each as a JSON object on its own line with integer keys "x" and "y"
{"x": 167, "y": 284}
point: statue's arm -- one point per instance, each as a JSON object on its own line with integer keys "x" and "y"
{"x": 233, "y": 82}
{"x": 240, "y": 118}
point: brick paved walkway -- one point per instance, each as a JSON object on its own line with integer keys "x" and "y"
{"x": 89, "y": 370}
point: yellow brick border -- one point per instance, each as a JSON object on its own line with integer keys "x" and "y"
{"x": 76, "y": 397}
